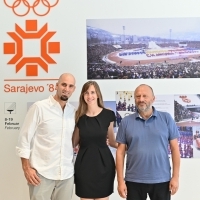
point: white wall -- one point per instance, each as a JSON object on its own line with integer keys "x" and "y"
{"x": 68, "y": 19}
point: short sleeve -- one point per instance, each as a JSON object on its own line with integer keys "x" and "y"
{"x": 112, "y": 116}
{"x": 173, "y": 130}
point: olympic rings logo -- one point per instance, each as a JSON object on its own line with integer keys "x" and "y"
{"x": 25, "y": 3}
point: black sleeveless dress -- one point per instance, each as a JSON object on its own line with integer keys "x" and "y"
{"x": 95, "y": 165}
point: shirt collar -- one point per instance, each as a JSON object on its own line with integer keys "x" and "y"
{"x": 53, "y": 102}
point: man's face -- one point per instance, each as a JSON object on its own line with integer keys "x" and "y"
{"x": 144, "y": 98}
{"x": 65, "y": 87}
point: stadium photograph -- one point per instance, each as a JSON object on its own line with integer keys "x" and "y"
{"x": 155, "y": 48}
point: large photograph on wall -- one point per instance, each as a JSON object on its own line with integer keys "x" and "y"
{"x": 152, "y": 48}
{"x": 185, "y": 110}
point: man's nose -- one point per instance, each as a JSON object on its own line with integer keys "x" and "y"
{"x": 141, "y": 99}
{"x": 66, "y": 88}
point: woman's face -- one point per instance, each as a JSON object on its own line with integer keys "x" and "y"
{"x": 90, "y": 96}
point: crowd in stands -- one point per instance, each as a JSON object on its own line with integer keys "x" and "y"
{"x": 153, "y": 71}
{"x": 185, "y": 142}
{"x": 163, "y": 45}
{"x": 193, "y": 44}
{"x": 95, "y": 53}
{"x": 99, "y": 69}
{"x": 181, "y": 113}
{"x": 122, "y": 106}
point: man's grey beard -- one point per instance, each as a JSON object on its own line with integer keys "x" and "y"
{"x": 143, "y": 109}
{"x": 64, "y": 98}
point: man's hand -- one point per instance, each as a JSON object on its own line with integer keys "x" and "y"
{"x": 30, "y": 173}
{"x": 173, "y": 185}
{"x": 122, "y": 189}
{"x": 31, "y": 176}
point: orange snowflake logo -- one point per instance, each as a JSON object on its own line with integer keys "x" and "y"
{"x": 46, "y": 48}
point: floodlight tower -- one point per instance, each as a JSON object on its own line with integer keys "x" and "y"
{"x": 124, "y": 34}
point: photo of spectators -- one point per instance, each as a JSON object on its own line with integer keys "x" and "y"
{"x": 196, "y": 141}
{"x": 187, "y": 110}
{"x": 124, "y": 104}
{"x": 118, "y": 51}
{"x": 185, "y": 141}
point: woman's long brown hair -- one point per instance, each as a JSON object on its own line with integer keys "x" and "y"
{"x": 82, "y": 108}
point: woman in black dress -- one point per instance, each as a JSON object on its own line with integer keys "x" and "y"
{"x": 94, "y": 166}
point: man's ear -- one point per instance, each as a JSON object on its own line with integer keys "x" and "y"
{"x": 154, "y": 98}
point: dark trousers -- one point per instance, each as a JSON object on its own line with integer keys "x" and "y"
{"x": 139, "y": 191}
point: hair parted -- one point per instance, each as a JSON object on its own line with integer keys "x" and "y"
{"x": 82, "y": 108}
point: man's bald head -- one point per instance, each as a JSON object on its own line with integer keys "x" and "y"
{"x": 145, "y": 86}
{"x": 66, "y": 75}
{"x": 65, "y": 87}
